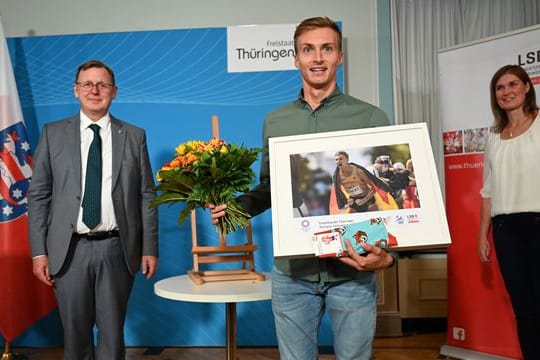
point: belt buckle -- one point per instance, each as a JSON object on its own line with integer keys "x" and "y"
{"x": 98, "y": 235}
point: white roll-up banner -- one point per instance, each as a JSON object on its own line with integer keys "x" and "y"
{"x": 480, "y": 316}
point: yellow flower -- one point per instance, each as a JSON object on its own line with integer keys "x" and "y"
{"x": 180, "y": 149}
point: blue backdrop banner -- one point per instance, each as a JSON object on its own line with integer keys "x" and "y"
{"x": 170, "y": 83}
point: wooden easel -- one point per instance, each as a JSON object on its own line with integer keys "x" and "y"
{"x": 223, "y": 252}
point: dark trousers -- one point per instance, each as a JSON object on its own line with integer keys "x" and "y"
{"x": 517, "y": 243}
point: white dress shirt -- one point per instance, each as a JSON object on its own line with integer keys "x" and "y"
{"x": 108, "y": 218}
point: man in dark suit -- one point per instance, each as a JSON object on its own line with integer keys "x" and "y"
{"x": 91, "y": 228}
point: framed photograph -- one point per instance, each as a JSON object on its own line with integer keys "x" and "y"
{"x": 326, "y": 181}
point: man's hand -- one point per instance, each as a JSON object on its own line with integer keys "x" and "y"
{"x": 367, "y": 197}
{"x": 375, "y": 259}
{"x": 149, "y": 266}
{"x": 216, "y": 212}
{"x": 40, "y": 266}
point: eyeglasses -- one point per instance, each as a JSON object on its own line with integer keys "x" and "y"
{"x": 101, "y": 86}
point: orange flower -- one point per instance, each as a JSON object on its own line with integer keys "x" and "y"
{"x": 190, "y": 158}
{"x": 175, "y": 163}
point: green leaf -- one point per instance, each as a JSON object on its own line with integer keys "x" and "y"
{"x": 167, "y": 198}
{"x": 185, "y": 213}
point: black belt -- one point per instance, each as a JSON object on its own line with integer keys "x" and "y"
{"x": 98, "y": 235}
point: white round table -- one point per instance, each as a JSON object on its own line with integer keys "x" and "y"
{"x": 181, "y": 288}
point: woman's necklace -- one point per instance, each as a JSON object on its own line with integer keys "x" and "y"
{"x": 519, "y": 128}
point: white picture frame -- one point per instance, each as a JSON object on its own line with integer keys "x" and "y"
{"x": 298, "y": 213}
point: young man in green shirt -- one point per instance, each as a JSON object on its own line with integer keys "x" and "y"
{"x": 302, "y": 289}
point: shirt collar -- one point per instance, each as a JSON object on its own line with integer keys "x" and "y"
{"x": 337, "y": 92}
{"x": 104, "y": 122}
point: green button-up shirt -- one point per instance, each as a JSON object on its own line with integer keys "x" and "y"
{"x": 337, "y": 112}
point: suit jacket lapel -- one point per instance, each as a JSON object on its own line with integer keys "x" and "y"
{"x": 118, "y": 135}
{"x": 73, "y": 139}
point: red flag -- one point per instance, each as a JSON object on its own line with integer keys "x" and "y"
{"x": 23, "y": 299}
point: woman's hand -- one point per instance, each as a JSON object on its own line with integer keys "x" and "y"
{"x": 484, "y": 249}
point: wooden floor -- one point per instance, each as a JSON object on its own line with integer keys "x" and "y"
{"x": 416, "y": 346}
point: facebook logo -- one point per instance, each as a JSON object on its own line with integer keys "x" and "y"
{"x": 458, "y": 333}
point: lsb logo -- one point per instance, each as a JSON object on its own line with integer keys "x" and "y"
{"x": 458, "y": 333}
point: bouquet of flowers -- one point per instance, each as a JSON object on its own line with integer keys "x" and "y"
{"x": 204, "y": 173}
